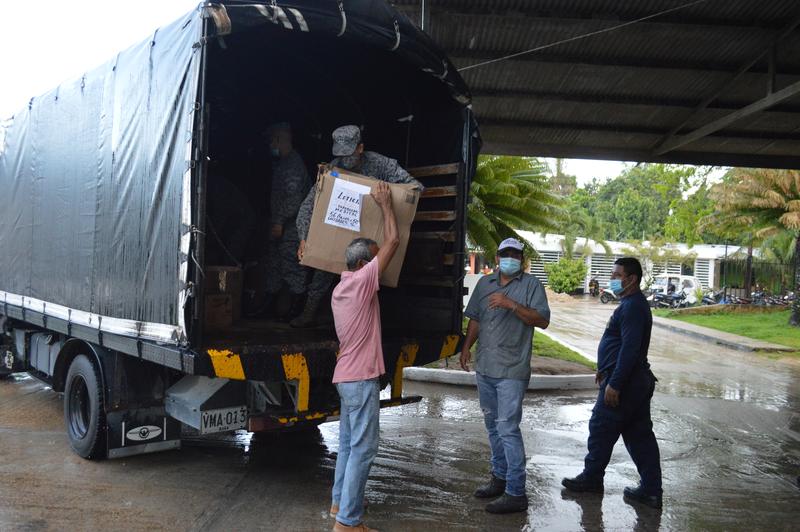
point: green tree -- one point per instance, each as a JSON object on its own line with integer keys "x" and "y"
{"x": 511, "y": 194}
{"x": 683, "y": 223}
{"x": 561, "y": 182}
{"x": 764, "y": 203}
{"x": 566, "y": 275}
{"x": 637, "y": 204}
{"x": 578, "y": 229}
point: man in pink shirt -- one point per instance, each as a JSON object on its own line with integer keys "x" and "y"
{"x": 357, "y": 316}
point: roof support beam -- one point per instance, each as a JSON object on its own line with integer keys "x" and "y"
{"x": 616, "y": 129}
{"x": 532, "y": 15}
{"x": 764, "y": 103}
{"x": 625, "y": 154}
{"x": 589, "y": 98}
{"x": 659, "y": 148}
{"x": 463, "y": 58}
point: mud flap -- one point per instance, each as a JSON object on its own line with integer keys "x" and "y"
{"x": 141, "y": 430}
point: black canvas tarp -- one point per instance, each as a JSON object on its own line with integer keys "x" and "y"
{"x": 96, "y": 176}
{"x": 91, "y": 185}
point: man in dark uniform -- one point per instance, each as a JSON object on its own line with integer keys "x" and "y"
{"x": 290, "y": 183}
{"x": 350, "y": 155}
{"x": 626, "y": 387}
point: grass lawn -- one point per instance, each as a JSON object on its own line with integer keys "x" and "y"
{"x": 544, "y": 346}
{"x": 770, "y": 327}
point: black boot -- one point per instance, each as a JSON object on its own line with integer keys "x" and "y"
{"x": 508, "y": 504}
{"x": 494, "y": 488}
{"x": 638, "y": 494}
{"x": 582, "y": 483}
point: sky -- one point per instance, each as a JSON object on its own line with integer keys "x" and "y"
{"x": 46, "y": 42}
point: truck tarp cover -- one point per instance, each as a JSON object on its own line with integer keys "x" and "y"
{"x": 96, "y": 175}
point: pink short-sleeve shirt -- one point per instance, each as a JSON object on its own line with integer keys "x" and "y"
{"x": 357, "y": 316}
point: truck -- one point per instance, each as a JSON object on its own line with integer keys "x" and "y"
{"x": 106, "y": 181}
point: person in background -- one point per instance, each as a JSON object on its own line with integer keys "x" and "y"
{"x": 357, "y": 317}
{"x": 290, "y": 183}
{"x": 502, "y": 312}
{"x": 626, "y": 388}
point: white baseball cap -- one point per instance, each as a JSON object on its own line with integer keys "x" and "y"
{"x": 510, "y": 243}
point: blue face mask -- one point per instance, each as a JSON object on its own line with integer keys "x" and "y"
{"x": 615, "y": 285}
{"x": 510, "y": 266}
{"x": 275, "y": 152}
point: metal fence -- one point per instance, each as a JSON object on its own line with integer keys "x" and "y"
{"x": 773, "y": 277}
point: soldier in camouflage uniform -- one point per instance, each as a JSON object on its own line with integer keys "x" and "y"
{"x": 290, "y": 182}
{"x": 350, "y": 155}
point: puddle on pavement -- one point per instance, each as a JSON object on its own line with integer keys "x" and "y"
{"x": 727, "y": 424}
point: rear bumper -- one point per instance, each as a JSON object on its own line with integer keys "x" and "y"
{"x": 312, "y": 365}
{"x": 273, "y": 422}
{"x": 318, "y": 360}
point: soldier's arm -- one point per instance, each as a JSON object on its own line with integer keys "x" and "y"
{"x": 304, "y": 214}
{"x": 292, "y": 195}
{"x": 394, "y": 173}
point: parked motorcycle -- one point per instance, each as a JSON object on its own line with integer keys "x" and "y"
{"x": 671, "y": 301}
{"x": 712, "y": 298}
{"x": 607, "y": 295}
{"x": 594, "y": 287}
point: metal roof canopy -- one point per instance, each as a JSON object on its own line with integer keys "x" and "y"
{"x": 717, "y": 82}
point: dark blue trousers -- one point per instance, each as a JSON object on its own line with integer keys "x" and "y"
{"x": 631, "y": 420}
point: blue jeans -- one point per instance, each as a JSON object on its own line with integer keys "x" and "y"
{"x": 501, "y": 403}
{"x": 358, "y": 445}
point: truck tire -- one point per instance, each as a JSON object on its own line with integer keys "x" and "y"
{"x": 84, "y": 414}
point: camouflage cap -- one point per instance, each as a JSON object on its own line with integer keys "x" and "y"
{"x": 345, "y": 140}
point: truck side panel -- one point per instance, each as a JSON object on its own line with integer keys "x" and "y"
{"x": 93, "y": 177}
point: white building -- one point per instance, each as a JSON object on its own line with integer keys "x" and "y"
{"x": 706, "y": 264}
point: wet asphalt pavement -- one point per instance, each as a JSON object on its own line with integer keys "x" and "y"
{"x": 728, "y": 424}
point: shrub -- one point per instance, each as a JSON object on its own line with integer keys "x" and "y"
{"x": 566, "y": 275}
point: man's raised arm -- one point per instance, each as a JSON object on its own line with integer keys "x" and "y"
{"x": 391, "y": 237}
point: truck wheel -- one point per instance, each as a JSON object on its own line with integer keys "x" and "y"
{"x": 604, "y": 298}
{"x": 83, "y": 409}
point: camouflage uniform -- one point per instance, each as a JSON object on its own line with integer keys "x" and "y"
{"x": 289, "y": 185}
{"x": 372, "y": 165}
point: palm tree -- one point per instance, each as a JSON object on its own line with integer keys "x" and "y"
{"x": 580, "y": 224}
{"x": 510, "y": 194}
{"x": 764, "y": 203}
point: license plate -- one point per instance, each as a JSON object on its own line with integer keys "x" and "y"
{"x": 223, "y": 419}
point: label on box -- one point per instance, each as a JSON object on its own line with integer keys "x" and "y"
{"x": 344, "y": 207}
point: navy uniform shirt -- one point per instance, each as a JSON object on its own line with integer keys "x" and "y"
{"x": 623, "y": 348}
{"x": 504, "y": 340}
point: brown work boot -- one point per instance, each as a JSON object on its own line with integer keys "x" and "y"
{"x": 360, "y": 527}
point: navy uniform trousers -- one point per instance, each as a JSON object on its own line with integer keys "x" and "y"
{"x": 631, "y": 420}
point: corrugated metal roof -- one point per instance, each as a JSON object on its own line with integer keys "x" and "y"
{"x": 619, "y": 94}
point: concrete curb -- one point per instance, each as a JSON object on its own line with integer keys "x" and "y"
{"x": 746, "y": 344}
{"x": 467, "y": 378}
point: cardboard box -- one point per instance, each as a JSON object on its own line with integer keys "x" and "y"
{"x": 223, "y": 296}
{"x": 344, "y": 210}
